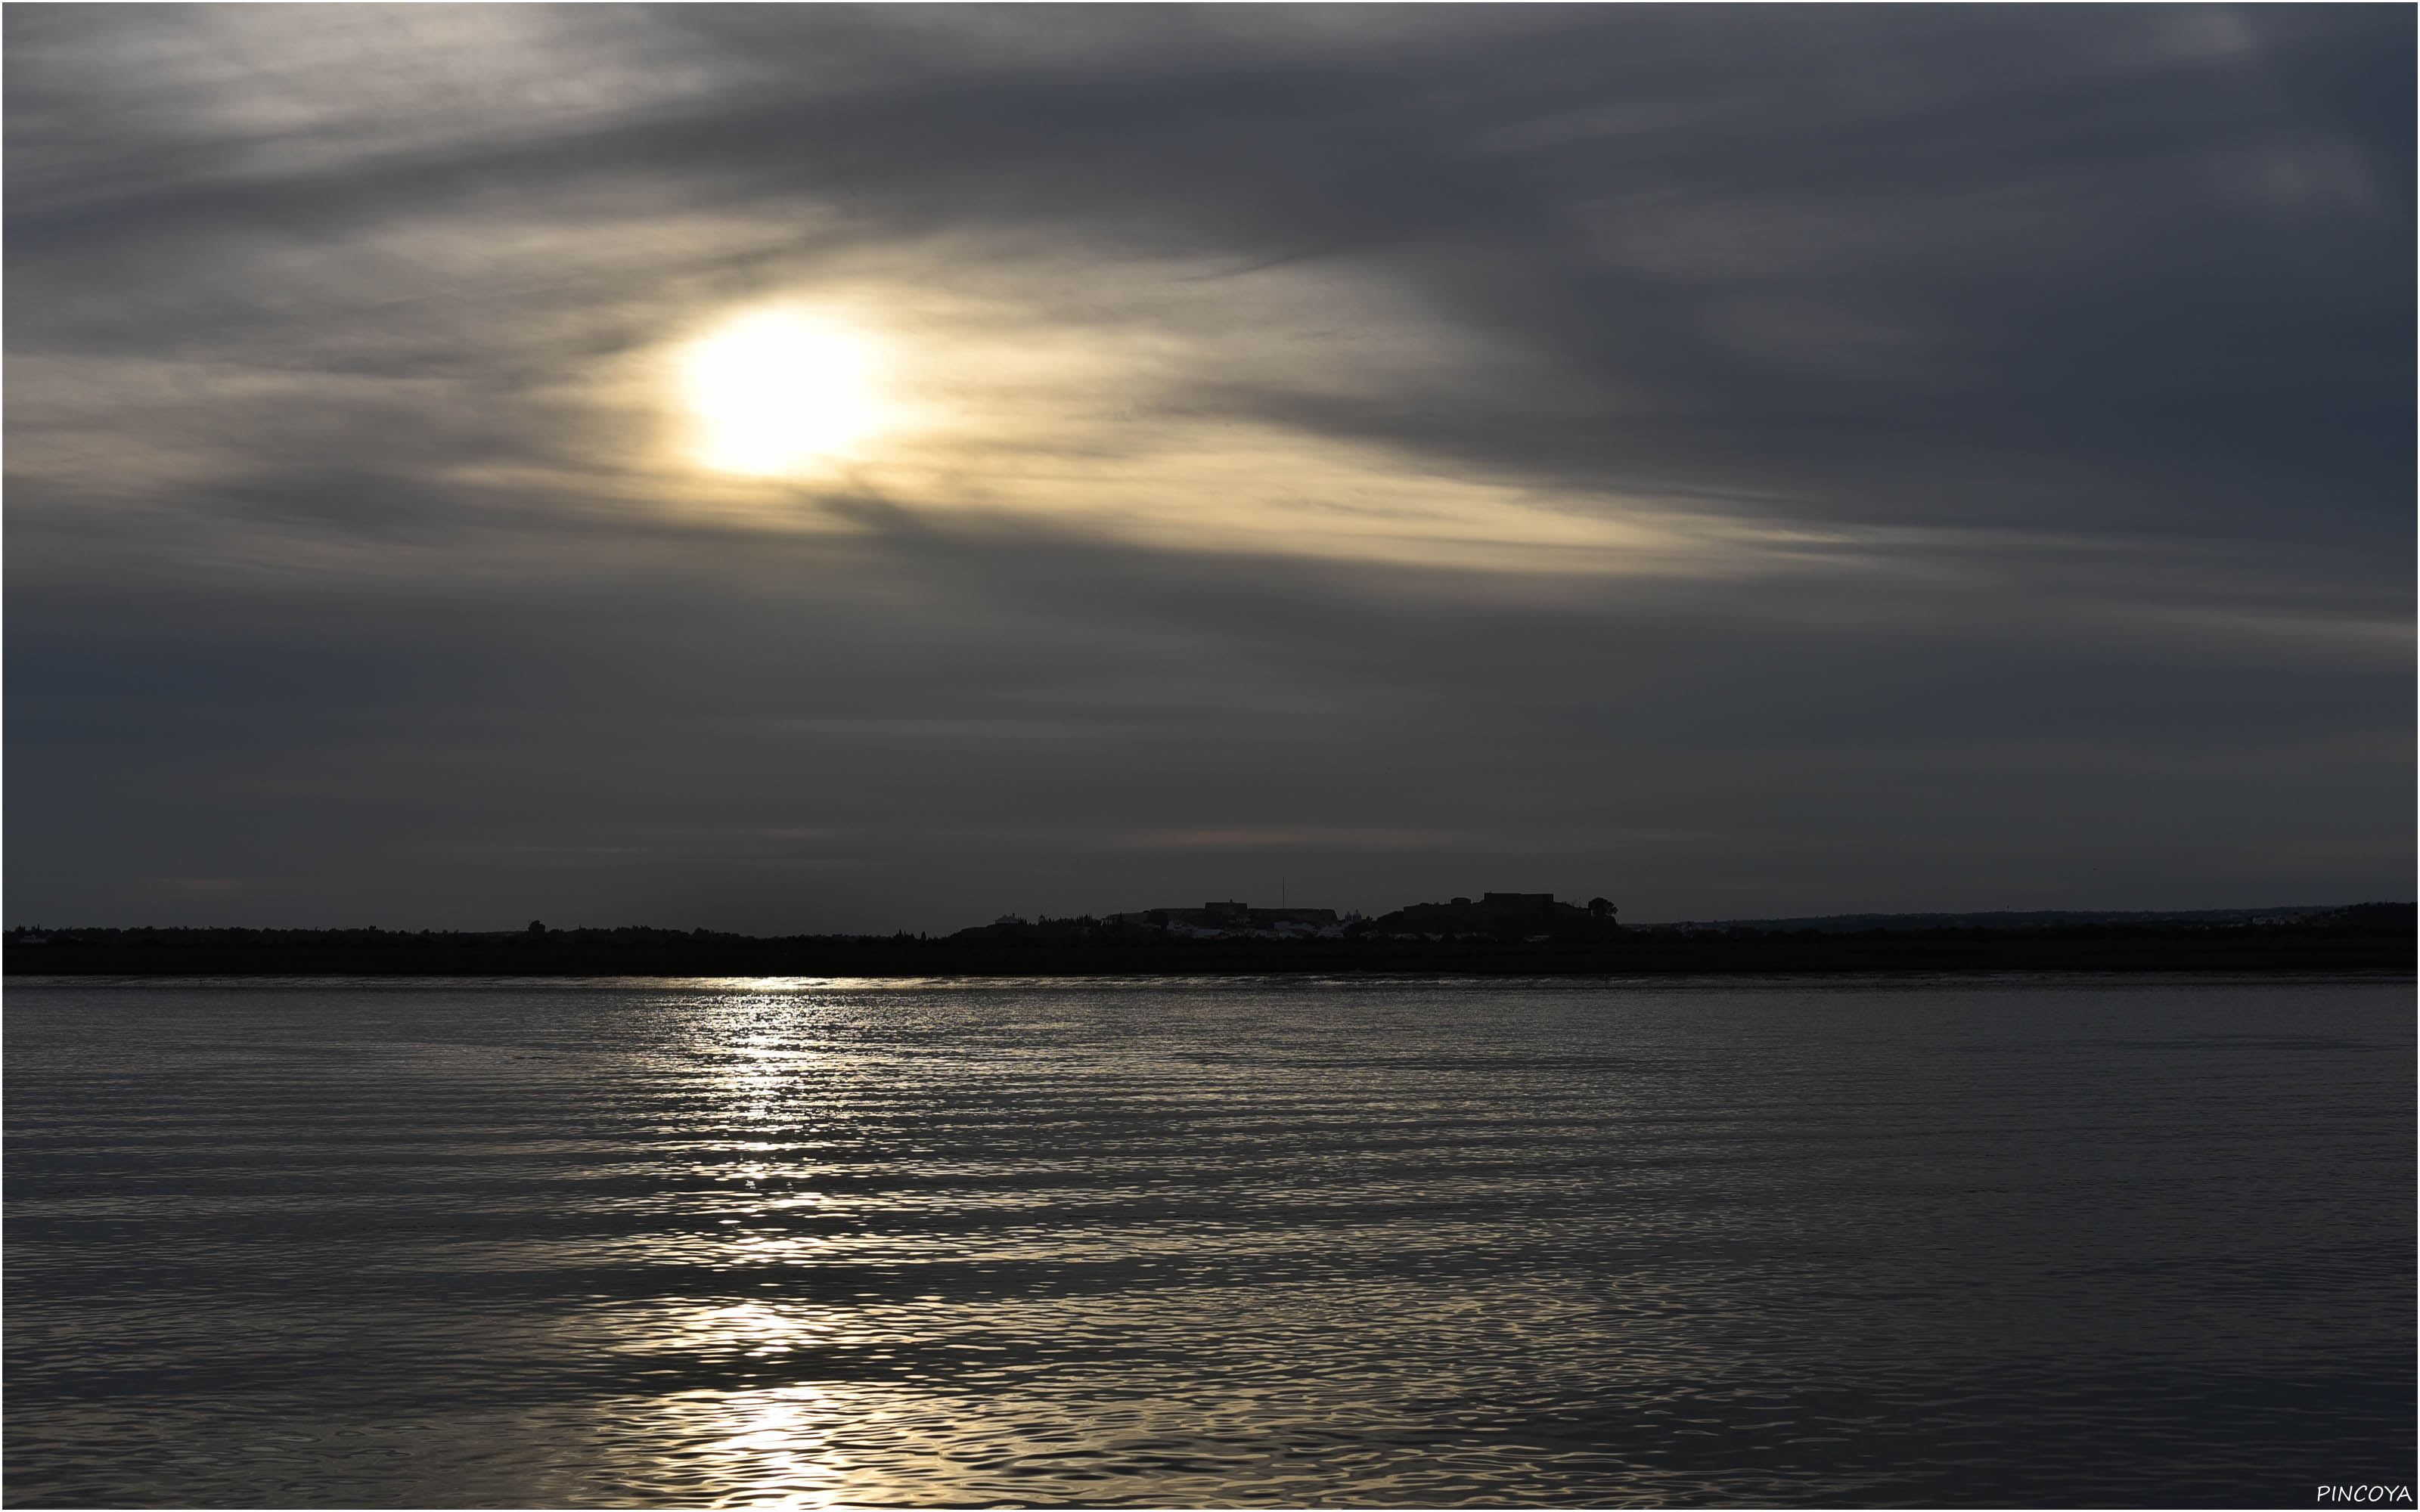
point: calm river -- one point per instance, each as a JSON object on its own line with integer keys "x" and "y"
{"x": 2021, "y": 1241}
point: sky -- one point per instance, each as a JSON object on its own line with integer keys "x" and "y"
{"x": 821, "y": 469}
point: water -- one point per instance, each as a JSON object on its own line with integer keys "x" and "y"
{"x": 2037, "y": 1241}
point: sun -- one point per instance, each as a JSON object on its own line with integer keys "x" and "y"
{"x": 776, "y": 392}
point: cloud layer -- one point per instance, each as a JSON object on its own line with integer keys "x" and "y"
{"x": 1737, "y": 461}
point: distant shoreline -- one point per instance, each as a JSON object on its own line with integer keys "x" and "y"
{"x": 1639, "y": 955}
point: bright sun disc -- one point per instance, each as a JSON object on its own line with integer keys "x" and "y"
{"x": 779, "y": 390}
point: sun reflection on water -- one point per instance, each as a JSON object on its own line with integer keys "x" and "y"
{"x": 904, "y": 1268}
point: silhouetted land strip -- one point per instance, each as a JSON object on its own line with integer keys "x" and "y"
{"x": 2375, "y": 937}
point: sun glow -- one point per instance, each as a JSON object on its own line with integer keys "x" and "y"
{"x": 780, "y": 391}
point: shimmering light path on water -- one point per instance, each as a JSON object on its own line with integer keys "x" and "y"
{"x": 2047, "y": 1241}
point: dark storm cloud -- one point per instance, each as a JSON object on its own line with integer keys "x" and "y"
{"x": 2069, "y": 345}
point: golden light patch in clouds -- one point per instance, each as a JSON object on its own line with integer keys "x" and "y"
{"x": 780, "y": 391}
{"x": 1264, "y": 489}
{"x": 990, "y": 412}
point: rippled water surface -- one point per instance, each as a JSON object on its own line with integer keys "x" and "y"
{"x": 702, "y": 1243}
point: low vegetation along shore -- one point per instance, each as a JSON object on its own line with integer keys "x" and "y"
{"x": 2369, "y": 936}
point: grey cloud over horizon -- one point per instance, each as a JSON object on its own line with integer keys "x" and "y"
{"x": 1776, "y": 460}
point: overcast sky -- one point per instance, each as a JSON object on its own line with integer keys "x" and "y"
{"x": 1742, "y": 461}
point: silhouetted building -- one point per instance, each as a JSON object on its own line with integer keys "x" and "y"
{"x": 1233, "y": 919}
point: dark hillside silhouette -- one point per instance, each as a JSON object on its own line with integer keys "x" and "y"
{"x": 1500, "y": 934}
